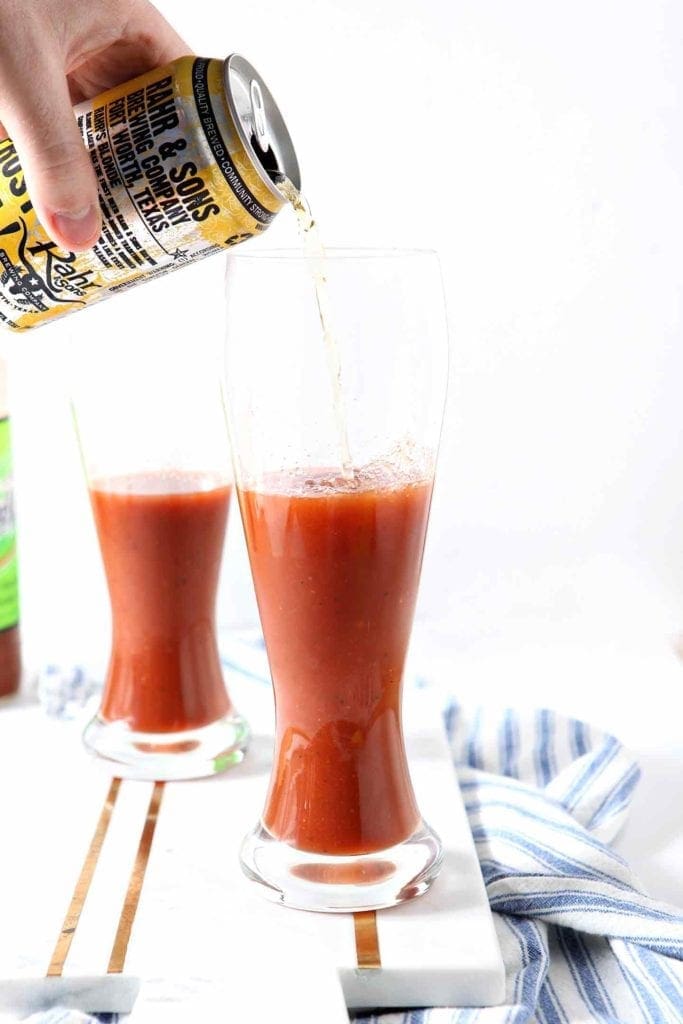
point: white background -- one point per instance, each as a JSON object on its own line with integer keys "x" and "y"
{"x": 537, "y": 145}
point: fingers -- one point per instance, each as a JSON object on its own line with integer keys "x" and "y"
{"x": 36, "y": 97}
{"x": 60, "y": 178}
{"x": 102, "y": 54}
{"x": 160, "y": 40}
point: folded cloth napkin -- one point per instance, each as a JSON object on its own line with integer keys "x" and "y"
{"x": 545, "y": 796}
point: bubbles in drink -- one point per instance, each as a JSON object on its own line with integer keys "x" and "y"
{"x": 401, "y": 467}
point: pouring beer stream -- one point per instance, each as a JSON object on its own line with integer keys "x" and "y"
{"x": 315, "y": 256}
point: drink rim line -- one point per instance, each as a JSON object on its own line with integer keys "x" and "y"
{"x": 340, "y": 252}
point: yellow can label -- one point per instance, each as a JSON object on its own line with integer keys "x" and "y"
{"x": 175, "y": 184}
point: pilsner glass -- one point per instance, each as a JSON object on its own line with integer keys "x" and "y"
{"x": 334, "y": 446}
{"x": 151, "y": 426}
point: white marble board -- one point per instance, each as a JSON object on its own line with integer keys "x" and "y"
{"x": 204, "y": 939}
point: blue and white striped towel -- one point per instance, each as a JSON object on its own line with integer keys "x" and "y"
{"x": 546, "y": 795}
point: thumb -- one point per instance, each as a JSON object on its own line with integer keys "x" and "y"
{"x": 59, "y": 175}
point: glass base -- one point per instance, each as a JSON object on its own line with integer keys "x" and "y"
{"x": 162, "y": 757}
{"x": 311, "y": 881}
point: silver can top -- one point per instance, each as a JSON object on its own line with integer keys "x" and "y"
{"x": 260, "y": 124}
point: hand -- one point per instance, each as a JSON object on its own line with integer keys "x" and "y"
{"x": 53, "y": 54}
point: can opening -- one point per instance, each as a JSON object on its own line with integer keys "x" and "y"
{"x": 268, "y": 160}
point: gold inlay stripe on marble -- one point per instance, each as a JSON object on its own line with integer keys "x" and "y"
{"x": 73, "y": 914}
{"x": 367, "y": 939}
{"x": 137, "y": 878}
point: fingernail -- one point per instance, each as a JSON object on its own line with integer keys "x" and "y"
{"x": 78, "y": 228}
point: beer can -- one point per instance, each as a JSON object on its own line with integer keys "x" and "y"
{"x": 187, "y": 159}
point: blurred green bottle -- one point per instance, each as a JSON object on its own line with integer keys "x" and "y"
{"x": 10, "y": 649}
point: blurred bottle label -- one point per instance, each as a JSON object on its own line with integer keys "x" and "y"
{"x": 9, "y": 588}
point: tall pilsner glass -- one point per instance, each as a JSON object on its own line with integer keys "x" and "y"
{"x": 334, "y": 445}
{"x": 150, "y": 419}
